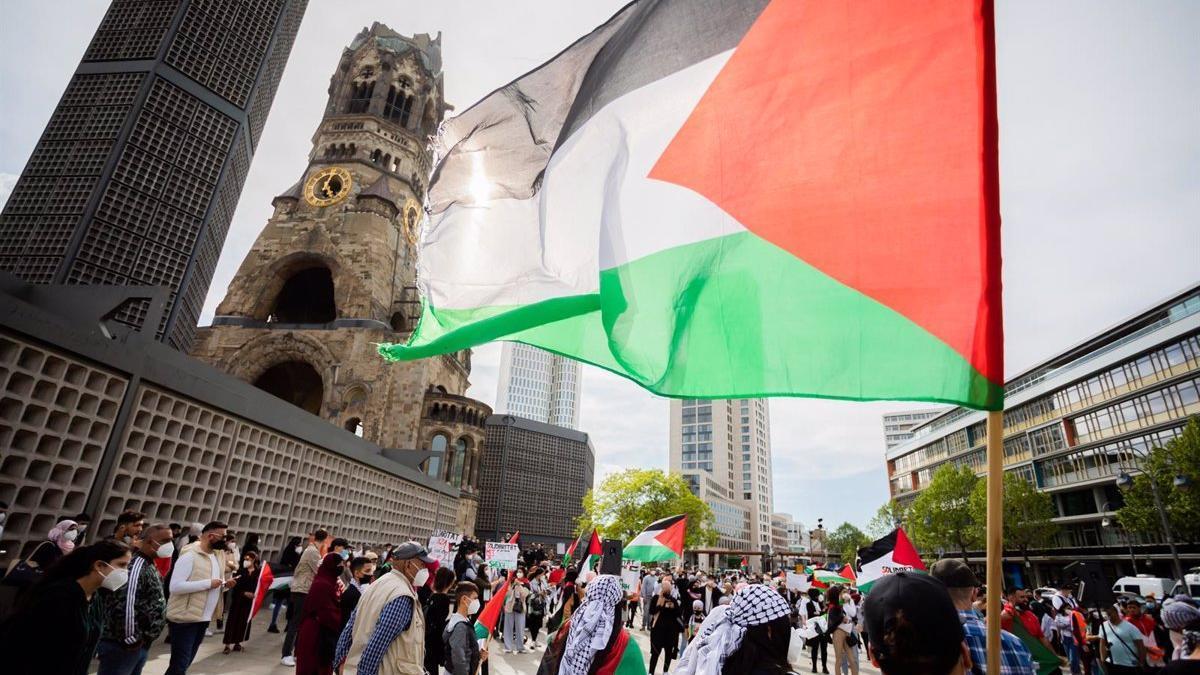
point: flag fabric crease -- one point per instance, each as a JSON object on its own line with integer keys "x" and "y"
{"x": 735, "y": 198}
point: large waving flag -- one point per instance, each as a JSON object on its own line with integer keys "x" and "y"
{"x": 728, "y": 198}
{"x": 887, "y": 555}
{"x": 661, "y": 540}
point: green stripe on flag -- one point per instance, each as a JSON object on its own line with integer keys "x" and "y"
{"x": 776, "y": 325}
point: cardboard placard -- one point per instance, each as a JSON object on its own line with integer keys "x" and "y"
{"x": 798, "y": 582}
{"x": 501, "y": 555}
{"x": 631, "y": 575}
{"x": 441, "y": 547}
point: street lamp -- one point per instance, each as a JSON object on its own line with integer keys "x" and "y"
{"x": 1108, "y": 522}
{"x": 1125, "y": 481}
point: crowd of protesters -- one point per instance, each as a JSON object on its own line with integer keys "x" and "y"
{"x": 396, "y": 610}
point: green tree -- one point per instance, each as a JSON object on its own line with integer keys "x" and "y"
{"x": 845, "y": 542}
{"x": 940, "y": 517}
{"x": 1180, "y": 457}
{"x": 891, "y": 514}
{"x": 625, "y": 503}
{"x": 1027, "y": 514}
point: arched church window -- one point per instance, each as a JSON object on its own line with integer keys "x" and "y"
{"x": 457, "y": 476}
{"x": 296, "y": 382}
{"x": 398, "y": 323}
{"x": 398, "y": 107}
{"x": 360, "y": 96}
{"x": 306, "y": 297}
{"x": 376, "y": 156}
{"x": 437, "y": 445}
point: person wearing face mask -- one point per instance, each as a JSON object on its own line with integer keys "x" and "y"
{"x": 58, "y": 624}
{"x": 461, "y": 654}
{"x": 320, "y": 619}
{"x": 362, "y": 573}
{"x": 82, "y": 522}
{"x": 196, "y": 585}
{"x": 59, "y": 542}
{"x": 516, "y": 602}
{"x": 386, "y": 633}
{"x": 710, "y": 595}
{"x": 241, "y": 602}
{"x": 135, "y": 613}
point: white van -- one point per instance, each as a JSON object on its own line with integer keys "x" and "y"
{"x": 1193, "y": 581}
{"x": 1142, "y": 585}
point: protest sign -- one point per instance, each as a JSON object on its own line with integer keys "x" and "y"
{"x": 797, "y": 582}
{"x": 441, "y": 547}
{"x": 631, "y": 574}
{"x": 500, "y": 555}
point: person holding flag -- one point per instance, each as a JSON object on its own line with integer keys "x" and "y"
{"x": 242, "y": 604}
{"x": 593, "y": 639}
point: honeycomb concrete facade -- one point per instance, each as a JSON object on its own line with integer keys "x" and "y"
{"x": 97, "y": 420}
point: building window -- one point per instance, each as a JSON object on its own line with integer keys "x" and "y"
{"x": 306, "y": 297}
{"x": 360, "y": 97}
{"x": 398, "y": 107}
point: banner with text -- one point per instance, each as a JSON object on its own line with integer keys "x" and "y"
{"x": 500, "y": 555}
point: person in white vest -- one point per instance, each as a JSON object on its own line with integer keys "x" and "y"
{"x": 386, "y": 632}
{"x": 196, "y": 584}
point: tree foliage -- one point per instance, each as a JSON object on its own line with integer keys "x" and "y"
{"x": 940, "y": 517}
{"x": 845, "y": 542}
{"x": 1181, "y": 456}
{"x": 625, "y": 503}
{"x": 1028, "y": 514}
{"x": 891, "y": 514}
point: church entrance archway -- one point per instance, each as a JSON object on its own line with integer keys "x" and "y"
{"x": 296, "y": 382}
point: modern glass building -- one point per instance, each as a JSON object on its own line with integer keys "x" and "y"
{"x": 538, "y": 385}
{"x": 1075, "y": 422}
{"x": 898, "y": 427}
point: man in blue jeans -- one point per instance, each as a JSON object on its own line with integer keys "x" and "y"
{"x": 196, "y": 584}
{"x": 135, "y": 613}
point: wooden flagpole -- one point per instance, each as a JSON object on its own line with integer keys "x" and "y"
{"x": 995, "y": 534}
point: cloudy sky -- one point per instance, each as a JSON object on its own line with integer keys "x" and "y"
{"x": 1100, "y": 181}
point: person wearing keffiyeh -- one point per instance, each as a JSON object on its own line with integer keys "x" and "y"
{"x": 594, "y": 641}
{"x": 747, "y": 637}
{"x": 1182, "y": 619}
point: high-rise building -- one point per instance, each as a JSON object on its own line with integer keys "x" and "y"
{"x": 534, "y": 476}
{"x": 136, "y": 176}
{"x": 538, "y": 385}
{"x": 333, "y": 273}
{"x": 1073, "y": 425}
{"x": 897, "y": 427}
{"x": 722, "y": 447}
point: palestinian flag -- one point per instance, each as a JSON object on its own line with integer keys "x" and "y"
{"x": 265, "y": 578}
{"x": 848, "y": 573}
{"x": 823, "y": 578}
{"x": 735, "y": 199}
{"x": 888, "y": 555}
{"x": 588, "y": 553}
{"x": 661, "y": 540}
{"x": 485, "y": 622}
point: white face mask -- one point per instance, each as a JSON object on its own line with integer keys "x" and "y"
{"x": 246, "y": 564}
{"x": 70, "y": 535}
{"x": 299, "y": 549}
{"x": 421, "y": 577}
{"x": 473, "y": 607}
{"x": 115, "y": 579}
{"x": 166, "y": 550}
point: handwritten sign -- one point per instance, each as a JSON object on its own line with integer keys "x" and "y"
{"x": 441, "y": 546}
{"x": 501, "y": 555}
{"x": 631, "y": 575}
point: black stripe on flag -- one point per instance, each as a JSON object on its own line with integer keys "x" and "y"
{"x": 877, "y": 549}
{"x": 511, "y": 133}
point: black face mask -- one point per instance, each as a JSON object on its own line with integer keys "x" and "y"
{"x": 218, "y": 545}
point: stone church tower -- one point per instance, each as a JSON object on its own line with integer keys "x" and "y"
{"x": 333, "y": 272}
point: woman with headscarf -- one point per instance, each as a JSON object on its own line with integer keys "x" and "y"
{"x": 1182, "y": 620}
{"x": 320, "y": 620}
{"x": 749, "y": 636}
{"x": 593, "y": 640}
{"x": 59, "y": 542}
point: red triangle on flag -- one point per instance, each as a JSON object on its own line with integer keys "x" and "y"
{"x": 905, "y": 553}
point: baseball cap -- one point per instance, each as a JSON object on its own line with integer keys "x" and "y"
{"x": 954, "y": 573}
{"x": 411, "y": 549}
{"x": 912, "y": 624}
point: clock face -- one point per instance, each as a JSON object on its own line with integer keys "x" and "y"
{"x": 328, "y": 186}
{"x": 412, "y": 220}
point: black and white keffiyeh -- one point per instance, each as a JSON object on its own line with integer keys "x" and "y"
{"x": 591, "y": 624}
{"x": 753, "y": 605}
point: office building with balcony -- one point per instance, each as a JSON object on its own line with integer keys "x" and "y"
{"x": 1072, "y": 425}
